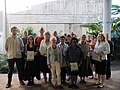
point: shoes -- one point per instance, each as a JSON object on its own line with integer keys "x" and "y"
{"x": 107, "y": 78}
{"x": 22, "y": 83}
{"x": 71, "y": 86}
{"x": 83, "y": 81}
{"x": 96, "y": 83}
{"x": 8, "y": 85}
{"x": 100, "y": 86}
{"x": 75, "y": 86}
{"x": 54, "y": 86}
{"x": 32, "y": 82}
{"x": 59, "y": 87}
{"x": 29, "y": 83}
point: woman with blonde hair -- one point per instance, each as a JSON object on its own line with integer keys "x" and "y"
{"x": 101, "y": 50}
{"x": 45, "y": 43}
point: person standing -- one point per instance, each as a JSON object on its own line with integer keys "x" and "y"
{"x": 101, "y": 50}
{"x": 30, "y": 70}
{"x": 54, "y": 60}
{"x": 24, "y": 39}
{"x": 38, "y": 40}
{"x": 45, "y": 43}
{"x": 63, "y": 46}
{"x": 55, "y": 35}
{"x": 109, "y": 57}
{"x": 13, "y": 47}
{"x": 85, "y": 69}
{"x": 74, "y": 57}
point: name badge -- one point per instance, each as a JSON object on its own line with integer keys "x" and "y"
{"x": 30, "y": 55}
{"x": 74, "y": 66}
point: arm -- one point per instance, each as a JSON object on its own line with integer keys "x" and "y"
{"x": 41, "y": 49}
{"x": 6, "y": 45}
{"x": 48, "y": 56}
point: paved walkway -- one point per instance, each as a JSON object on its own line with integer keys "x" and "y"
{"x": 112, "y": 84}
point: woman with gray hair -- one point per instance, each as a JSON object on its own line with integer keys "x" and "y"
{"x": 54, "y": 59}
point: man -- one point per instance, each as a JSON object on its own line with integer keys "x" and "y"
{"x": 109, "y": 57}
{"x": 13, "y": 47}
{"x": 63, "y": 46}
{"x": 74, "y": 56}
{"x": 38, "y": 63}
{"x": 55, "y": 35}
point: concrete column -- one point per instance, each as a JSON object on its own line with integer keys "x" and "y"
{"x": 107, "y": 17}
{"x": 4, "y": 25}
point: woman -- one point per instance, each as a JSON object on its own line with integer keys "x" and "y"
{"x": 45, "y": 43}
{"x": 54, "y": 59}
{"x": 101, "y": 50}
{"x": 30, "y": 61}
{"x": 85, "y": 69}
{"x": 93, "y": 62}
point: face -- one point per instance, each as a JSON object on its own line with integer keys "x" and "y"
{"x": 88, "y": 37}
{"x": 74, "y": 43}
{"x": 41, "y": 31}
{"x": 55, "y": 33}
{"x": 107, "y": 37}
{"x": 69, "y": 38}
{"x": 30, "y": 39}
{"x": 47, "y": 36}
{"x": 62, "y": 40}
{"x": 100, "y": 38}
{"x": 14, "y": 31}
{"x": 25, "y": 34}
{"x": 83, "y": 37}
{"x": 53, "y": 41}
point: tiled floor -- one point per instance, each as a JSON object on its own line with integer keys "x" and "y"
{"x": 112, "y": 84}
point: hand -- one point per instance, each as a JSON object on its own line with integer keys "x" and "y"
{"x": 49, "y": 66}
{"x": 99, "y": 53}
{"x": 35, "y": 53}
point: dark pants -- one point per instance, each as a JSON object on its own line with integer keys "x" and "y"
{"x": 20, "y": 68}
{"x": 63, "y": 73}
{"x": 108, "y": 68}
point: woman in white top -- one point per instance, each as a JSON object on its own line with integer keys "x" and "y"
{"x": 101, "y": 50}
{"x": 45, "y": 43}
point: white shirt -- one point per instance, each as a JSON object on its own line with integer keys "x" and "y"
{"x": 43, "y": 47}
{"x": 102, "y": 47}
{"x": 14, "y": 47}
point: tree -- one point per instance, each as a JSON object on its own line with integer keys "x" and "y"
{"x": 115, "y": 9}
{"x": 93, "y": 28}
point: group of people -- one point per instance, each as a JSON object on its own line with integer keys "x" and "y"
{"x": 59, "y": 57}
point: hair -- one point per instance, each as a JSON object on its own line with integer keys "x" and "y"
{"x": 62, "y": 37}
{"x": 102, "y": 36}
{"x": 53, "y": 37}
{"x": 41, "y": 29}
{"x": 32, "y": 39}
{"x": 74, "y": 38}
{"x": 47, "y": 33}
{"x": 14, "y": 28}
{"x": 84, "y": 35}
{"x": 68, "y": 35}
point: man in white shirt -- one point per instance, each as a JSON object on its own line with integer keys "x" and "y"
{"x": 14, "y": 47}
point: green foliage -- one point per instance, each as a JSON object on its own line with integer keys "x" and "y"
{"x": 30, "y": 31}
{"x": 115, "y": 9}
{"x": 93, "y": 28}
